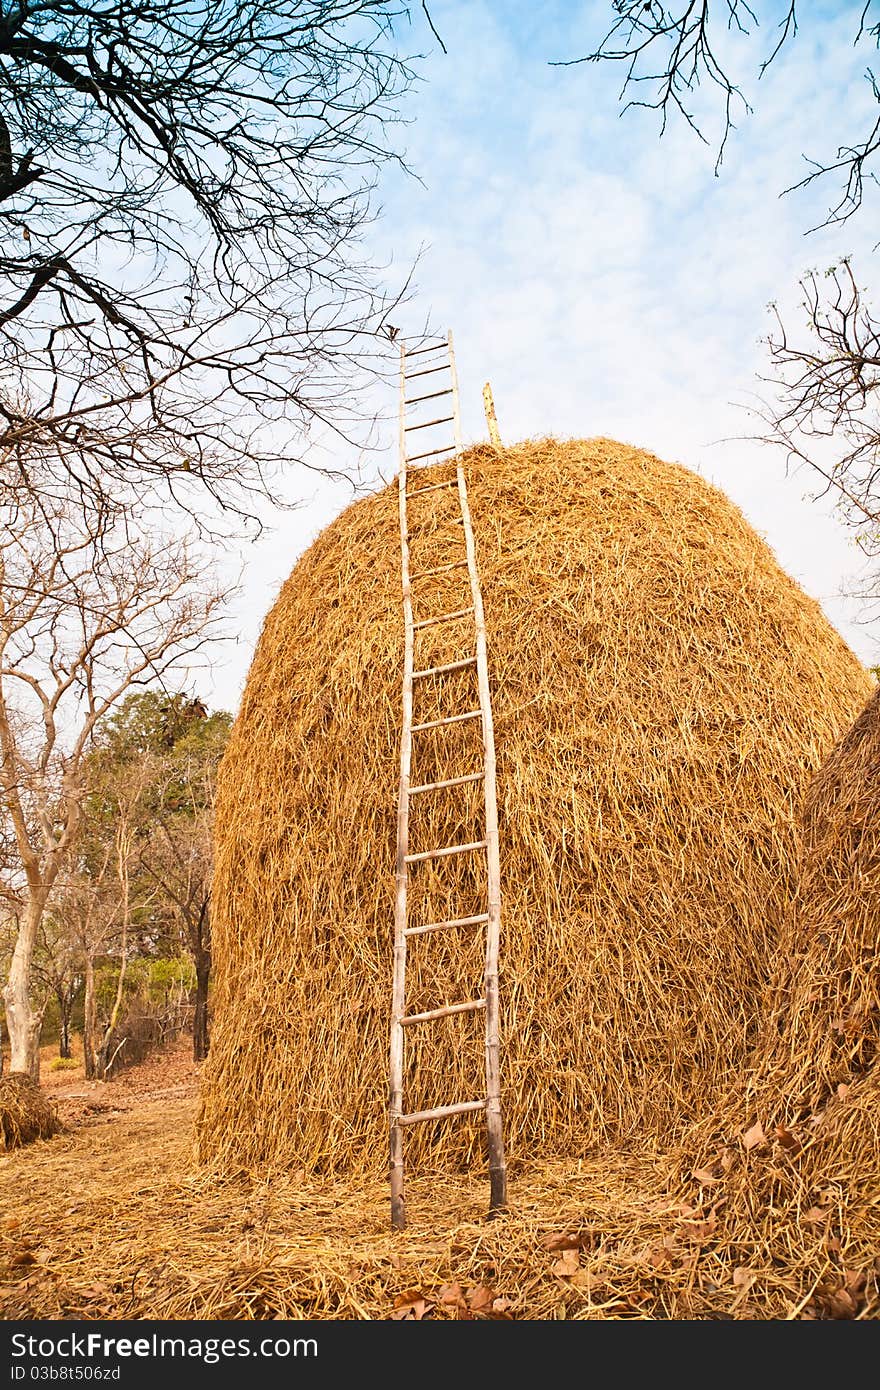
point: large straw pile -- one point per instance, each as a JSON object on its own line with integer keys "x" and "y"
{"x": 662, "y": 692}
{"x": 797, "y": 1142}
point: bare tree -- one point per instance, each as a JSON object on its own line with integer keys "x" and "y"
{"x": 90, "y": 608}
{"x": 183, "y": 187}
{"x": 822, "y": 404}
{"x": 57, "y": 969}
{"x": 670, "y": 53}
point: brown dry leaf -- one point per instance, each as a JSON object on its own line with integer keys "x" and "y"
{"x": 480, "y": 1298}
{"x": 706, "y": 1176}
{"x": 743, "y": 1278}
{"x": 22, "y": 1257}
{"x": 854, "y": 1280}
{"x": 661, "y": 1258}
{"x": 700, "y": 1229}
{"x": 412, "y": 1304}
{"x": 561, "y": 1242}
{"x": 501, "y": 1305}
{"x": 840, "y": 1303}
{"x": 843, "y": 1090}
{"x": 785, "y": 1137}
{"x": 569, "y": 1263}
{"x": 92, "y": 1291}
{"x": 43, "y": 1255}
{"x": 755, "y": 1136}
{"x": 451, "y": 1293}
{"x": 12, "y": 1223}
{"x": 816, "y": 1216}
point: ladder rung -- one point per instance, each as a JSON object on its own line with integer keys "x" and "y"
{"x": 435, "y": 347}
{"x": 443, "y": 618}
{"x": 441, "y": 569}
{"x": 431, "y": 396}
{"x": 450, "y": 482}
{"x": 426, "y": 371}
{"x": 450, "y": 719}
{"x": 443, "y": 853}
{"x": 453, "y": 782}
{"x": 441, "y": 449}
{"x": 442, "y": 1110}
{"x": 450, "y": 922}
{"x": 426, "y": 424}
{"x": 441, "y": 670}
{"x": 470, "y": 1007}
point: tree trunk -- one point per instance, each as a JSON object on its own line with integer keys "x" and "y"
{"x": 90, "y": 1019}
{"x": 65, "y": 999}
{"x": 200, "y": 1017}
{"x": 22, "y": 1021}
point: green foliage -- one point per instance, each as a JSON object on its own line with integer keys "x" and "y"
{"x": 145, "y": 978}
{"x": 63, "y": 1064}
{"x": 151, "y": 721}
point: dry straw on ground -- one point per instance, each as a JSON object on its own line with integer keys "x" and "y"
{"x": 25, "y": 1112}
{"x": 662, "y": 693}
{"x": 793, "y": 1154}
{"x": 112, "y": 1221}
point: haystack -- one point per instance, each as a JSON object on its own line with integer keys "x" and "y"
{"x": 662, "y": 693}
{"x": 26, "y": 1113}
{"x": 798, "y": 1141}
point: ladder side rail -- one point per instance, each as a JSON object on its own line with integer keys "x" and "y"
{"x": 398, "y": 1000}
{"x": 494, "y": 1125}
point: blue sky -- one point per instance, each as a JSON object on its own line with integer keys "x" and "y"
{"x": 605, "y": 281}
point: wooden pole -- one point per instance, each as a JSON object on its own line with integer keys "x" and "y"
{"x": 398, "y": 998}
{"x": 491, "y": 418}
{"x": 494, "y": 1128}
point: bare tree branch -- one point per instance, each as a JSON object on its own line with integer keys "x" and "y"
{"x": 183, "y": 192}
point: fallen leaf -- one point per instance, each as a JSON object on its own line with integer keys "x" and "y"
{"x": 706, "y": 1176}
{"x": 755, "y": 1136}
{"x": 840, "y": 1304}
{"x": 480, "y": 1298}
{"x": 501, "y": 1305}
{"x": 743, "y": 1278}
{"x": 561, "y": 1242}
{"x": 22, "y": 1257}
{"x": 451, "y": 1293}
{"x": 569, "y": 1263}
{"x": 661, "y": 1258}
{"x": 412, "y": 1305}
{"x": 843, "y": 1090}
{"x": 785, "y": 1137}
{"x": 11, "y": 1223}
{"x": 43, "y": 1255}
{"x": 816, "y": 1216}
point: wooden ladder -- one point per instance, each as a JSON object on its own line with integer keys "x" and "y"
{"x": 432, "y": 366}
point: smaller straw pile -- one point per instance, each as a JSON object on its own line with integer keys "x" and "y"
{"x": 798, "y": 1145}
{"x": 25, "y": 1112}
